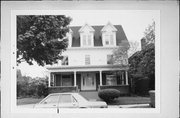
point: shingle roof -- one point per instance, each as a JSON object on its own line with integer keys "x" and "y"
{"x": 120, "y": 35}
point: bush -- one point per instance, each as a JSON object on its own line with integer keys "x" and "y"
{"x": 34, "y": 88}
{"x": 109, "y": 95}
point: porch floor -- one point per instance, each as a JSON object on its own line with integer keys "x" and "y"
{"x": 91, "y": 95}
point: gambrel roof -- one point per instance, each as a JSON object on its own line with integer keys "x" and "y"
{"x": 120, "y": 35}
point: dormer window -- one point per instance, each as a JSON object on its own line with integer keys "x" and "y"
{"x": 109, "y": 39}
{"x": 87, "y": 40}
{"x": 86, "y": 36}
{"x": 109, "y": 35}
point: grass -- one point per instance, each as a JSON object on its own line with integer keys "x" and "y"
{"x": 130, "y": 100}
{"x": 23, "y": 101}
{"x": 118, "y": 101}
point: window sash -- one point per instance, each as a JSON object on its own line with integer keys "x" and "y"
{"x": 87, "y": 59}
{"x": 111, "y": 80}
{"x": 87, "y": 40}
{"x": 108, "y": 39}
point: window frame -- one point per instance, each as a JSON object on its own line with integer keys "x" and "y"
{"x": 109, "y": 37}
{"x": 87, "y": 59}
{"x": 115, "y": 78}
{"x": 87, "y": 39}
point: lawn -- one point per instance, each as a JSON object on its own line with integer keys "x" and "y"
{"x": 119, "y": 101}
{"x": 130, "y": 100}
{"x": 23, "y": 101}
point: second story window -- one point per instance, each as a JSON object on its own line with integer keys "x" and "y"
{"x": 64, "y": 61}
{"x": 109, "y": 59}
{"x": 87, "y": 59}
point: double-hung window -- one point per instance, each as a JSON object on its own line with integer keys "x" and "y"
{"x": 111, "y": 80}
{"x": 87, "y": 41}
{"x": 110, "y": 59}
{"x": 87, "y": 59}
{"x": 108, "y": 39}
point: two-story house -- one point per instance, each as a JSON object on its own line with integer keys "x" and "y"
{"x": 86, "y": 65}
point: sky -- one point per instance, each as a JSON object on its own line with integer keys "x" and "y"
{"x": 134, "y": 23}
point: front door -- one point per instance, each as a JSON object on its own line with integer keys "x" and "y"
{"x": 88, "y": 81}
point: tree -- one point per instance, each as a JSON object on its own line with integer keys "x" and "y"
{"x": 41, "y": 38}
{"x": 133, "y": 48}
{"x": 149, "y": 33}
{"x": 120, "y": 53}
{"x": 142, "y": 63}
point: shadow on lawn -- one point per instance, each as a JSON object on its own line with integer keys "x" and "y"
{"x": 130, "y": 100}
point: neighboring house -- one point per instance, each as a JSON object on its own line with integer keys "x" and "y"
{"x": 86, "y": 65}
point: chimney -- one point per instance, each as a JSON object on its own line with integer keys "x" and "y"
{"x": 143, "y": 43}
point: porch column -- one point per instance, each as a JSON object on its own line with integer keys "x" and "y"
{"x": 53, "y": 79}
{"x": 126, "y": 78}
{"x": 49, "y": 82}
{"x": 74, "y": 78}
{"x": 100, "y": 75}
{"x": 122, "y": 75}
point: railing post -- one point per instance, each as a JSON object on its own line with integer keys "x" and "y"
{"x": 49, "y": 82}
{"x": 126, "y": 78}
{"x": 74, "y": 78}
{"x": 122, "y": 75}
{"x": 100, "y": 75}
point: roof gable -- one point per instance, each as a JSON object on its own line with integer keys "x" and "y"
{"x": 108, "y": 28}
{"x": 86, "y": 28}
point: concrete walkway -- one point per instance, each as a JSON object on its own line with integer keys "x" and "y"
{"x": 91, "y": 95}
{"x": 130, "y": 106}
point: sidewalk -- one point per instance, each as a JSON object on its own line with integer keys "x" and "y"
{"x": 130, "y": 106}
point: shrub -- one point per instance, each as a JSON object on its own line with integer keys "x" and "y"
{"x": 109, "y": 94}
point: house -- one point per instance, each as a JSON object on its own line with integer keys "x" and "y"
{"x": 86, "y": 65}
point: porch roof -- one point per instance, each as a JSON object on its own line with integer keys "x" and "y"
{"x": 87, "y": 68}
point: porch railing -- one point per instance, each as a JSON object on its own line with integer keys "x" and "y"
{"x": 60, "y": 89}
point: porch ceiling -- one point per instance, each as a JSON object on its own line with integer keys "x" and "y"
{"x": 87, "y": 68}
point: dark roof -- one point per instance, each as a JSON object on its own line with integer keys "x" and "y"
{"x": 120, "y": 35}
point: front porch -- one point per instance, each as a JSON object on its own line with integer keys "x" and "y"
{"x": 87, "y": 80}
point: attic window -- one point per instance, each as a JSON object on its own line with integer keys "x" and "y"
{"x": 86, "y": 41}
{"x": 108, "y": 39}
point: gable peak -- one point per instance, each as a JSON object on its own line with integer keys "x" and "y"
{"x": 86, "y": 26}
{"x": 109, "y": 26}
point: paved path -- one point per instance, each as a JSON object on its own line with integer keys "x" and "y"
{"x": 130, "y": 106}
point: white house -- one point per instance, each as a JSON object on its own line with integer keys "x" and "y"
{"x": 86, "y": 64}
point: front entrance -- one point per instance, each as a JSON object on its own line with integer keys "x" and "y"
{"x": 88, "y": 81}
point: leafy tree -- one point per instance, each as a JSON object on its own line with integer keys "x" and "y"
{"x": 41, "y": 38}
{"x": 142, "y": 63}
{"x": 149, "y": 33}
{"x": 120, "y": 53}
{"x": 133, "y": 48}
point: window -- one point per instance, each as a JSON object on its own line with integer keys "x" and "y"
{"x": 64, "y": 61}
{"x": 66, "y": 80}
{"x": 111, "y": 80}
{"x": 87, "y": 41}
{"x": 108, "y": 38}
{"x": 87, "y": 59}
{"x": 66, "y": 98}
{"x": 63, "y": 80}
{"x": 109, "y": 59}
{"x": 51, "y": 99}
